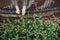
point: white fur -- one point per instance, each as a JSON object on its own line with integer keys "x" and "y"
{"x": 23, "y": 10}
{"x": 17, "y": 9}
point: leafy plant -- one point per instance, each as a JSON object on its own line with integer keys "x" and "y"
{"x": 29, "y": 29}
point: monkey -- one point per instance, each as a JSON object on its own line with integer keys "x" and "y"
{"x": 48, "y": 3}
{"x": 25, "y": 3}
{"x": 28, "y": 3}
{"x": 45, "y": 4}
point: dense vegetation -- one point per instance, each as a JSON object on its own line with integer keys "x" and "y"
{"x": 29, "y": 29}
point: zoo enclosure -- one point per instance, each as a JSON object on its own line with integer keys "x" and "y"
{"x": 10, "y": 12}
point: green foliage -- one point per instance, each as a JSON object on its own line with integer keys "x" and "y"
{"x": 29, "y": 29}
